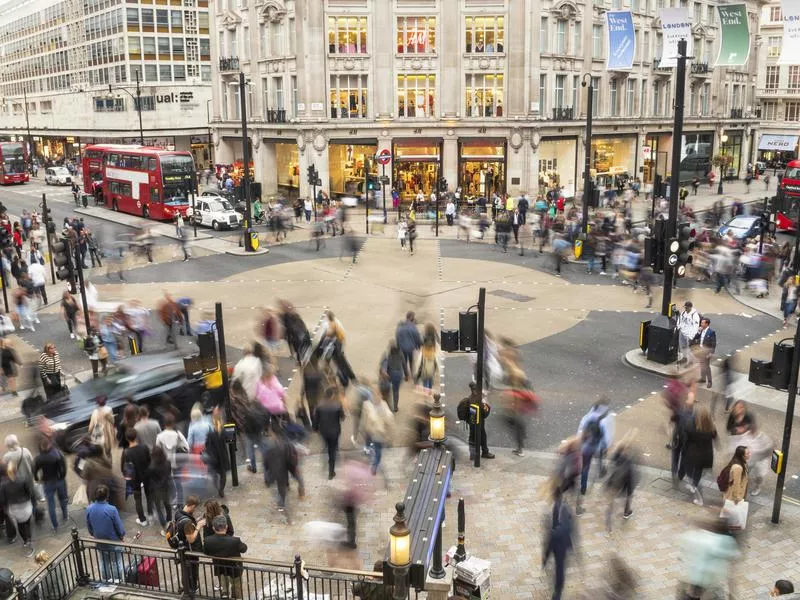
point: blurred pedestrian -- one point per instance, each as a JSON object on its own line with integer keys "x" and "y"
{"x": 409, "y": 340}
{"x": 760, "y": 446}
{"x": 737, "y": 476}
{"x": 698, "y": 452}
{"x": 297, "y": 337}
{"x": 10, "y": 363}
{"x": 559, "y": 536}
{"x": 621, "y": 480}
{"x": 50, "y": 370}
{"x": 428, "y": 362}
{"x": 216, "y": 455}
{"x": 158, "y": 480}
{"x": 147, "y": 429}
{"x": 97, "y": 353}
{"x": 199, "y": 428}
{"x": 688, "y": 326}
{"x": 741, "y": 420}
{"x": 271, "y": 393}
{"x": 353, "y": 493}
{"x": 134, "y": 463}
{"x": 328, "y": 418}
{"x": 101, "y": 428}
{"x": 172, "y": 318}
{"x": 377, "y": 421}
{"x": 130, "y": 415}
{"x": 248, "y": 371}
{"x": 596, "y": 432}
{"x": 211, "y": 510}
{"x": 707, "y": 555}
{"x": 311, "y": 392}
{"x": 281, "y": 460}
{"x": 782, "y": 587}
{"x": 17, "y": 500}
{"x": 251, "y": 420}
{"x": 394, "y": 368}
{"x": 50, "y": 468}
{"x": 221, "y": 545}
{"x": 173, "y": 443}
{"x": 467, "y": 412}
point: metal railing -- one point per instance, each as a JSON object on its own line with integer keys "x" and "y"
{"x": 191, "y": 575}
{"x": 737, "y": 113}
{"x": 229, "y": 63}
{"x": 276, "y": 115}
{"x": 563, "y": 113}
{"x": 700, "y": 68}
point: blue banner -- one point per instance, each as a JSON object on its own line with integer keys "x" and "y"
{"x": 621, "y": 40}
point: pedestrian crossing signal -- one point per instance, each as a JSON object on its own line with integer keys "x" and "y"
{"x": 776, "y": 462}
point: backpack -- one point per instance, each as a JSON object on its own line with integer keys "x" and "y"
{"x": 173, "y": 532}
{"x": 462, "y": 412}
{"x": 593, "y": 433}
{"x": 724, "y": 479}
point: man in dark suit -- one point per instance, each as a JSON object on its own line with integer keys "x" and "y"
{"x": 706, "y": 346}
{"x": 228, "y": 546}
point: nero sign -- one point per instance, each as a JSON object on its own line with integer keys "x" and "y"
{"x": 173, "y": 98}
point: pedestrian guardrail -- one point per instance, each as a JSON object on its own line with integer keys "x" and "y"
{"x": 150, "y": 570}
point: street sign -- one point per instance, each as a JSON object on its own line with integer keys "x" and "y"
{"x": 384, "y": 156}
{"x": 384, "y": 179}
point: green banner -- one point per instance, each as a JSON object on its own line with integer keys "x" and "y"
{"x": 735, "y": 46}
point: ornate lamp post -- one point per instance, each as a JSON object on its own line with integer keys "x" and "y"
{"x": 400, "y": 552}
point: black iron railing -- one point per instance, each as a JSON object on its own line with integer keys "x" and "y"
{"x": 699, "y": 68}
{"x": 230, "y": 63}
{"x": 563, "y": 113}
{"x": 191, "y": 575}
{"x": 737, "y": 113}
{"x": 276, "y": 115}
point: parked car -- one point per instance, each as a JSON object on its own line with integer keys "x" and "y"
{"x": 57, "y": 176}
{"x": 760, "y": 167}
{"x": 215, "y": 212}
{"x": 157, "y": 380}
{"x": 743, "y": 228}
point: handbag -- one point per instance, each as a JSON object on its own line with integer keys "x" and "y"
{"x": 80, "y": 498}
{"x": 102, "y": 353}
{"x": 735, "y": 514}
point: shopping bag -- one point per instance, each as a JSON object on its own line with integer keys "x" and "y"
{"x": 80, "y": 498}
{"x": 735, "y": 514}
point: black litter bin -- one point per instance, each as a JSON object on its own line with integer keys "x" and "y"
{"x": 760, "y": 372}
{"x": 449, "y": 340}
{"x": 662, "y": 340}
{"x": 782, "y": 353}
{"x": 468, "y": 330}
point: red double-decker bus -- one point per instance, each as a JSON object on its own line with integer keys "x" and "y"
{"x": 12, "y": 163}
{"x": 147, "y": 181}
{"x": 788, "y": 197}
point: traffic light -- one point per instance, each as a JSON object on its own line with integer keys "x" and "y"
{"x": 5, "y": 238}
{"x": 654, "y": 246}
{"x": 442, "y": 184}
{"x": 62, "y": 259}
{"x": 47, "y": 218}
{"x": 372, "y": 183}
{"x": 685, "y": 242}
{"x": 313, "y": 176}
{"x": 765, "y": 221}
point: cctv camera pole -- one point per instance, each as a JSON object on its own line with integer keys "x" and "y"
{"x": 787, "y": 428}
{"x": 764, "y": 225}
{"x": 479, "y": 375}
{"x": 248, "y": 243}
{"x": 366, "y": 194}
{"x": 226, "y": 396}
{"x": 674, "y": 188}
{"x": 3, "y": 283}
{"x": 47, "y": 218}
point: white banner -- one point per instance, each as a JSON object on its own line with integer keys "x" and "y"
{"x": 675, "y": 26}
{"x": 790, "y": 50}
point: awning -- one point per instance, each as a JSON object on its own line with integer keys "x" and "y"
{"x": 777, "y": 142}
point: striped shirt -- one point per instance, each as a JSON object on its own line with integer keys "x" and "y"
{"x": 49, "y": 364}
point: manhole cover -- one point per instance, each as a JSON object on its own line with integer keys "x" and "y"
{"x": 512, "y": 296}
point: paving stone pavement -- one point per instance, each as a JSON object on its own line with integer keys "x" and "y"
{"x": 505, "y": 510}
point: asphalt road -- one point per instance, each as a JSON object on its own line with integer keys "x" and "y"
{"x": 573, "y": 369}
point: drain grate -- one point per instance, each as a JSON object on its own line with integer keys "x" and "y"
{"x": 512, "y": 296}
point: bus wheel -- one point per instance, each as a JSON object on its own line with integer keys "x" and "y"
{"x": 114, "y": 206}
{"x": 145, "y": 212}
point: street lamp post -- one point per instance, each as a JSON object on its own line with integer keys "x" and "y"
{"x": 723, "y": 139}
{"x": 400, "y": 552}
{"x": 587, "y": 177}
{"x": 208, "y": 120}
{"x": 248, "y": 242}
{"x": 28, "y": 127}
{"x": 137, "y": 99}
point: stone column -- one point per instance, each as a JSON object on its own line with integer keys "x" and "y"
{"x": 515, "y": 43}
{"x": 449, "y": 50}
{"x": 383, "y": 48}
{"x": 266, "y": 167}
{"x": 450, "y": 162}
{"x": 311, "y": 58}
{"x": 313, "y": 151}
{"x": 517, "y": 164}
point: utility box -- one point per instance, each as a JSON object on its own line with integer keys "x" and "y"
{"x": 760, "y": 372}
{"x": 468, "y": 331}
{"x": 782, "y": 353}
{"x": 662, "y": 340}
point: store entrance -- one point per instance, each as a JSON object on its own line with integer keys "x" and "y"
{"x": 482, "y": 168}
{"x": 346, "y": 166}
{"x": 416, "y": 168}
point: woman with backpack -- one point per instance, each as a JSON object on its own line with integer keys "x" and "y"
{"x": 101, "y": 428}
{"x": 698, "y": 452}
{"x": 734, "y": 476}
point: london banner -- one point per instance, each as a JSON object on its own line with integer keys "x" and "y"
{"x": 790, "y": 51}
{"x": 621, "y": 40}
{"x": 675, "y": 26}
{"x": 735, "y": 45}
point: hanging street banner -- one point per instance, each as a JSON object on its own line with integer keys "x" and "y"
{"x": 675, "y": 26}
{"x": 735, "y": 46}
{"x": 621, "y": 40}
{"x": 790, "y": 50}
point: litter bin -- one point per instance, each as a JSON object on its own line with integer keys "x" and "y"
{"x": 254, "y": 241}
{"x": 782, "y": 353}
{"x": 468, "y": 331}
{"x": 662, "y": 341}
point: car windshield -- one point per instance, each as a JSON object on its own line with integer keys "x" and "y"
{"x": 60, "y": 171}
{"x": 111, "y": 382}
{"x": 741, "y": 223}
{"x": 220, "y": 205}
